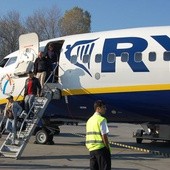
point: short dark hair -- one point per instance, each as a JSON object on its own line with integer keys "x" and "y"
{"x": 30, "y": 72}
{"x": 98, "y": 103}
{"x": 51, "y": 45}
{"x": 9, "y": 97}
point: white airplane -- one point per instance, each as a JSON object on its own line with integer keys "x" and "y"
{"x": 129, "y": 69}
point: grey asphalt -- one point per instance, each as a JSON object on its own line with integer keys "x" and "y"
{"x": 69, "y": 152}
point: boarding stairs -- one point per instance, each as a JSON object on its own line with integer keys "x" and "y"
{"x": 50, "y": 91}
{"x": 8, "y": 149}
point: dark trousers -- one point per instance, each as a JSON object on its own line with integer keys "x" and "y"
{"x": 100, "y": 159}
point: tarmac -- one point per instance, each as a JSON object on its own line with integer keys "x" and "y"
{"x": 69, "y": 151}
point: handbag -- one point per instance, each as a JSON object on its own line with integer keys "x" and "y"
{"x": 9, "y": 114}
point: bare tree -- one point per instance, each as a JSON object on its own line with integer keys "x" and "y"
{"x": 75, "y": 21}
{"x": 47, "y": 23}
{"x": 44, "y": 23}
{"x": 10, "y": 30}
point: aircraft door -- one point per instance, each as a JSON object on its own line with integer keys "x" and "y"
{"x": 28, "y": 42}
{"x": 28, "y": 50}
{"x": 52, "y": 51}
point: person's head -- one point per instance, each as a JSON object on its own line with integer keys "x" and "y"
{"x": 10, "y": 98}
{"x": 100, "y": 107}
{"x": 50, "y": 46}
{"x": 40, "y": 54}
{"x": 30, "y": 74}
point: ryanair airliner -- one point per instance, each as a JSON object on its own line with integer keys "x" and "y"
{"x": 128, "y": 69}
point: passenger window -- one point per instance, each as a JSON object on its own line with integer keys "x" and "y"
{"x": 98, "y": 58}
{"x": 73, "y": 59}
{"x": 86, "y": 58}
{"x": 125, "y": 57}
{"x": 138, "y": 57}
{"x": 3, "y": 62}
{"x": 166, "y": 56}
{"x": 152, "y": 56}
{"x": 111, "y": 57}
{"x": 11, "y": 61}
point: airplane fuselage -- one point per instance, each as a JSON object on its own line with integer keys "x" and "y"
{"x": 128, "y": 69}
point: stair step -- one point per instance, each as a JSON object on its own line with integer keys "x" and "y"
{"x": 8, "y": 154}
{"x": 10, "y": 148}
{"x": 15, "y": 151}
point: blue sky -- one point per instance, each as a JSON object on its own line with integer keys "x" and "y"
{"x": 106, "y": 14}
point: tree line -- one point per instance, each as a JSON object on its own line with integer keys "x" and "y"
{"x": 47, "y": 23}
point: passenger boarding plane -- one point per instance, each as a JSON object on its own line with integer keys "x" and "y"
{"x": 129, "y": 69}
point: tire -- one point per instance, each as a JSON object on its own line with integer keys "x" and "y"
{"x": 57, "y": 131}
{"x": 41, "y": 137}
{"x": 139, "y": 140}
{"x": 50, "y": 140}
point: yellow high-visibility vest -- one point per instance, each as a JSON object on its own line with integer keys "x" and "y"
{"x": 93, "y": 135}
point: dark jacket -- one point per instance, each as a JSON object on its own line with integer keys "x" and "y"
{"x": 40, "y": 65}
{"x": 35, "y": 86}
{"x": 52, "y": 55}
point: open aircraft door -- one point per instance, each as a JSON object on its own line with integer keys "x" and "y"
{"x": 28, "y": 51}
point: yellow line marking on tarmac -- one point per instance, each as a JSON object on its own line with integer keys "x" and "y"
{"x": 167, "y": 155}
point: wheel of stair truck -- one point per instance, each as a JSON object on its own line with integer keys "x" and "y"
{"x": 57, "y": 130}
{"x": 139, "y": 134}
{"x": 139, "y": 140}
{"x": 50, "y": 141}
{"x": 43, "y": 137}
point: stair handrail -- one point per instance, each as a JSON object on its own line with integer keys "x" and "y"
{"x": 52, "y": 73}
{"x": 28, "y": 114}
{"x": 32, "y": 107}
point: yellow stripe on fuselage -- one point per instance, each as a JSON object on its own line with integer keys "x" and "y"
{"x": 118, "y": 89}
{"x": 4, "y": 100}
{"x": 105, "y": 90}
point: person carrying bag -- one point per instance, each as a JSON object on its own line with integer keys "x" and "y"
{"x": 11, "y": 112}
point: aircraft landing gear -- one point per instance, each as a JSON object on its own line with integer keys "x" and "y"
{"x": 139, "y": 134}
{"x": 139, "y": 140}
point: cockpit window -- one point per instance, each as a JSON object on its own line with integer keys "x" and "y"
{"x": 3, "y": 62}
{"x": 12, "y": 60}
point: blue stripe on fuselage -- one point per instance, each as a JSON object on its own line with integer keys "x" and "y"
{"x": 132, "y": 107}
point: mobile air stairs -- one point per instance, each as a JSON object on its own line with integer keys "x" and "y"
{"x": 23, "y": 134}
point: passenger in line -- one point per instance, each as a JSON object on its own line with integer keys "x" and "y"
{"x": 41, "y": 68}
{"x": 52, "y": 57}
{"x": 97, "y": 140}
{"x": 51, "y": 54}
{"x": 11, "y": 112}
{"x": 32, "y": 89}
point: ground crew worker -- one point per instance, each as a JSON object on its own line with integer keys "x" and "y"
{"x": 96, "y": 139}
